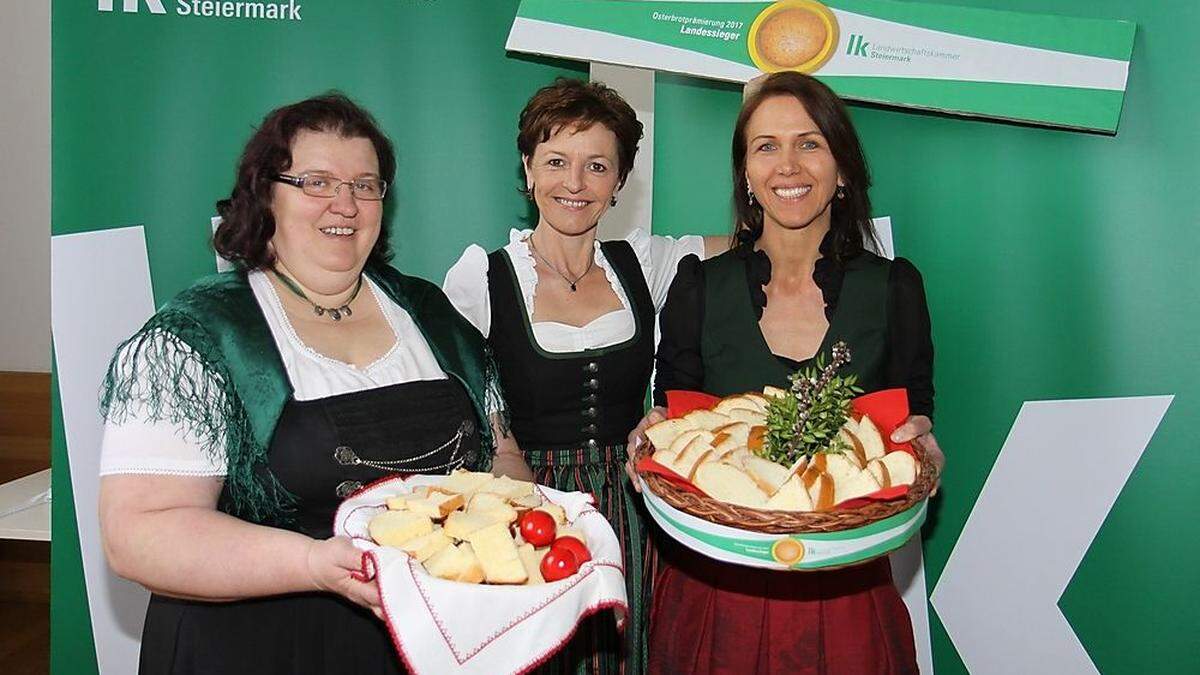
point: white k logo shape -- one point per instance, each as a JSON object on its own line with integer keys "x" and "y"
{"x": 1054, "y": 482}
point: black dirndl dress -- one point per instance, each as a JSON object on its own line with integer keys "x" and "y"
{"x": 427, "y": 426}
{"x": 571, "y": 414}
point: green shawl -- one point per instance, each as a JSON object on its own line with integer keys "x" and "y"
{"x": 207, "y": 362}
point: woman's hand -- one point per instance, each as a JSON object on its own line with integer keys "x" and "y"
{"x": 637, "y": 437}
{"x": 918, "y": 430}
{"x": 331, "y": 566}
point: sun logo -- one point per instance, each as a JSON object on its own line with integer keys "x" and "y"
{"x": 787, "y": 551}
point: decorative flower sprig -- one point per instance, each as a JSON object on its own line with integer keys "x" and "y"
{"x": 806, "y": 421}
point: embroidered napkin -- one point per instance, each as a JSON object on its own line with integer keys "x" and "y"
{"x": 441, "y": 626}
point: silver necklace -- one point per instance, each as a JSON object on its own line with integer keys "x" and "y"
{"x": 573, "y": 282}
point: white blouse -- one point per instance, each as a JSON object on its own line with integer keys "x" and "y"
{"x": 466, "y": 286}
{"x": 138, "y": 444}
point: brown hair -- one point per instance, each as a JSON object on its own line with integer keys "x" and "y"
{"x": 247, "y": 223}
{"x": 580, "y": 104}
{"x": 850, "y": 225}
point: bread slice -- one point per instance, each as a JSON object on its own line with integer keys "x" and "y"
{"x": 738, "y": 457}
{"x": 901, "y": 466}
{"x": 880, "y": 471}
{"x": 493, "y": 505}
{"x": 706, "y": 419}
{"x": 531, "y": 558}
{"x": 508, "y": 487}
{"x": 769, "y": 475}
{"x": 723, "y": 446}
{"x": 473, "y": 570}
{"x": 393, "y": 528}
{"x": 465, "y": 482}
{"x": 448, "y": 563}
{"x": 460, "y": 524}
{"x": 456, "y": 563}
{"x": 859, "y": 485}
{"x": 557, "y": 512}
{"x": 738, "y": 432}
{"x": 820, "y": 491}
{"x": 728, "y": 483}
{"x": 531, "y": 501}
{"x": 757, "y": 438}
{"x": 664, "y": 457}
{"x": 436, "y": 505}
{"x": 398, "y": 502}
{"x": 691, "y": 456}
{"x": 662, "y": 433}
{"x": 840, "y": 466}
{"x": 497, "y": 552}
{"x": 682, "y": 440}
{"x": 758, "y": 400}
{"x": 751, "y": 417}
{"x": 426, "y": 546}
{"x": 854, "y": 447}
{"x": 735, "y": 402}
{"x": 791, "y": 496}
{"x": 871, "y": 439}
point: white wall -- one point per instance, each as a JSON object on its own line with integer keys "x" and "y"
{"x": 25, "y": 185}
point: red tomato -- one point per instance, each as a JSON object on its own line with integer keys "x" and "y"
{"x": 537, "y": 528}
{"x": 575, "y": 546}
{"x": 558, "y": 563}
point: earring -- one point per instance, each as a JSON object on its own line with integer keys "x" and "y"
{"x": 841, "y": 192}
{"x": 529, "y": 192}
{"x": 613, "y": 201}
{"x": 749, "y": 193}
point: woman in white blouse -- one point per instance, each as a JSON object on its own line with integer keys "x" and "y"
{"x": 570, "y": 321}
{"x": 249, "y": 406}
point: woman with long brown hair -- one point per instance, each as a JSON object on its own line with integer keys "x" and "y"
{"x": 800, "y": 278}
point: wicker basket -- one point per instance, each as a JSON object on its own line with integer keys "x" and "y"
{"x": 786, "y": 522}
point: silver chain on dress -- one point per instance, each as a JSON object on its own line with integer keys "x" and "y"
{"x": 346, "y": 456}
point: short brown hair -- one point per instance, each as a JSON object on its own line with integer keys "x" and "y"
{"x": 574, "y": 103}
{"x": 247, "y": 223}
{"x": 851, "y": 218}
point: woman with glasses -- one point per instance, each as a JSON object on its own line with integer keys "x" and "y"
{"x": 246, "y": 409}
{"x": 571, "y": 320}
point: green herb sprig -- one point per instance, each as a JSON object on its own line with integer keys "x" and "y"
{"x": 806, "y": 421}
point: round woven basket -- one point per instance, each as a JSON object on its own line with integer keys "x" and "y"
{"x": 787, "y": 522}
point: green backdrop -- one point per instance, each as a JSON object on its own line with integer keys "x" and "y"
{"x": 1057, "y": 264}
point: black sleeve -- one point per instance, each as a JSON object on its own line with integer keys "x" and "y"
{"x": 910, "y": 363}
{"x": 678, "y": 364}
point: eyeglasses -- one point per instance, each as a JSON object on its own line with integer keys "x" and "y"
{"x": 327, "y": 186}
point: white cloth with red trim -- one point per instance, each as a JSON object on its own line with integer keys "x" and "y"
{"x": 441, "y": 626}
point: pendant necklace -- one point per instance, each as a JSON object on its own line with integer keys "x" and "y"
{"x": 335, "y": 313}
{"x": 572, "y": 282}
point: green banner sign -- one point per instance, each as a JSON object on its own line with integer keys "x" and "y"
{"x": 1041, "y": 69}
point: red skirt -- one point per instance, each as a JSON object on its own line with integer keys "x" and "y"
{"x": 712, "y": 618}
